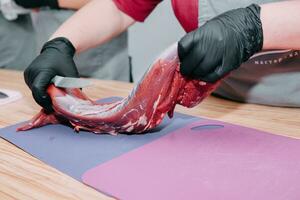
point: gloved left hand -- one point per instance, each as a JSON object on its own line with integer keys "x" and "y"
{"x": 222, "y": 44}
{"x": 38, "y": 3}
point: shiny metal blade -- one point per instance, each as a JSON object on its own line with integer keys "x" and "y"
{"x": 68, "y": 82}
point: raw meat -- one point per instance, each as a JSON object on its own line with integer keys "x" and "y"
{"x": 161, "y": 88}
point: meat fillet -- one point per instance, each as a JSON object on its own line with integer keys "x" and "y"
{"x": 157, "y": 93}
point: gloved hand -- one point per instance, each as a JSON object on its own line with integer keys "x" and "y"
{"x": 38, "y": 3}
{"x": 56, "y": 58}
{"x": 222, "y": 44}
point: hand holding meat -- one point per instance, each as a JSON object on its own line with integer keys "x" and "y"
{"x": 142, "y": 110}
{"x": 222, "y": 44}
{"x": 56, "y": 58}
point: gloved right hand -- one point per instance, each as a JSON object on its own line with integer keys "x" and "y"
{"x": 38, "y": 3}
{"x": 56, "y": 58}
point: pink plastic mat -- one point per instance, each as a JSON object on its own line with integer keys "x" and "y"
{"x": 208, "y": 160}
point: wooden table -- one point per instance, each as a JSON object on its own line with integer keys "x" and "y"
{"x": 25, "y": 177}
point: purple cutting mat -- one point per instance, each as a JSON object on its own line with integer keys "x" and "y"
{"x": 207, "y": 160}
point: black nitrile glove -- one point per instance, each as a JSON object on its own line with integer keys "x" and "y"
{"x": 56, "y": 58}
{"x": 222, "y": 44}
{"x": 38, "y": 3}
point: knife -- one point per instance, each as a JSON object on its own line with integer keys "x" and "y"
{"x": 69, "y": 82}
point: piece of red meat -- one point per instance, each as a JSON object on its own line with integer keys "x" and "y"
{"x": 160, "y": 89}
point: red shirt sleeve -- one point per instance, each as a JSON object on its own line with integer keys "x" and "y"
{"x": 187, "y": 13}
{"x": 137, "y": 9}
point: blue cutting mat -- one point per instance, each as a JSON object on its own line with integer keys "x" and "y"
{"x": 75, "y": 153}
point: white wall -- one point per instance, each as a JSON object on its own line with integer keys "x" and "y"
{"x": 148, "y": 39}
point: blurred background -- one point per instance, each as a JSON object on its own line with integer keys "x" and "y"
{"x": 148, "y": 39}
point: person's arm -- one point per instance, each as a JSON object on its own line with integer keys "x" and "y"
{"x": 94, "y": 24}
{"x": 281, "y": 25}
{"x": 223, "y": 43}
{"x": 72, "y": 4}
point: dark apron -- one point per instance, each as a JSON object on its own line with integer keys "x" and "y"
{"x": 17, "y": 42}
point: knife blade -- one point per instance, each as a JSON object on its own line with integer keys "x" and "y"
{"x": 69, "y": 82}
